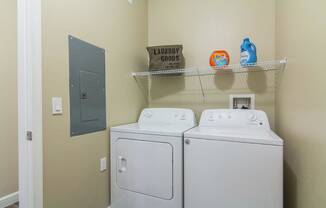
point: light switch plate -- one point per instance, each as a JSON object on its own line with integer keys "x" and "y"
{"x": 57, "y": 106}
{"x": 103, "y": 163}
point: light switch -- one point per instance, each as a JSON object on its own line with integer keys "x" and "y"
{"x": 103, "y": 164}
{"x": 57, "y": 106}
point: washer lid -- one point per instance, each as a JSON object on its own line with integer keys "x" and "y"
{"x": 162, "y": 130}
{"x": 238, "y": 134}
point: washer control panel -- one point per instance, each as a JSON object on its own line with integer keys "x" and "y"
{"x": 230, "y": 117}
{"x": 167, "y": 116}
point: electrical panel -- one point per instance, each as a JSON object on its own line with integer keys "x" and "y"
{"x": 87, "y": 87}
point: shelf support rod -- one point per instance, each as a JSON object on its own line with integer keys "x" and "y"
{"x": 142, "y": 89}
{"x": 201, "y": 85}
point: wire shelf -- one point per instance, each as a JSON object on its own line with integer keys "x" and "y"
{"x": 235, "y": 68}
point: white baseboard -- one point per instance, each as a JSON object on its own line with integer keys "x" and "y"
{"x": 9, "y": 200}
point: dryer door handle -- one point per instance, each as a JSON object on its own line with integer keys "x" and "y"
{"x": 122, "y": 164}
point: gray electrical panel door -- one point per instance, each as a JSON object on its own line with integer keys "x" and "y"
{"x": 87, "y": 87}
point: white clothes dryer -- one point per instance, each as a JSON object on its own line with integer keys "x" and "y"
{"x": 147, "y": 159}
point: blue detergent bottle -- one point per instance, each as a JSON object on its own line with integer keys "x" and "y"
{"x": 248, "y": 53}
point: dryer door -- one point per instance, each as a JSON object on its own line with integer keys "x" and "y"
{"x": 145, "y": 167}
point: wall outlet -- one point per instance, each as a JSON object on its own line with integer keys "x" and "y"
{"x": 103, "y": 164}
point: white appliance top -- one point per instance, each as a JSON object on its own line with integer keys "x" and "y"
{"x": 247, "y": 126}
{"x": 161, "y": 121}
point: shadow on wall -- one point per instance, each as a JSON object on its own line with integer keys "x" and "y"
{"x": 143, "y": 85}
{"x": 290, "y": 187}
{"x": 257, "y": 82}
{"x": 224, "y": 81}
{"x": 187, "y": 90}
{"x": 165, "y": 85}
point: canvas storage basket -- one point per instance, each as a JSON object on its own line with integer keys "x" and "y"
{"x": 166, "y": 57}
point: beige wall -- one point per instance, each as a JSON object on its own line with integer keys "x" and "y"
{"x": 202, "y": 26}
{"x": 71, "y": 165}
{"x": 301, "y": 101}
{"x": 8, "y": 104}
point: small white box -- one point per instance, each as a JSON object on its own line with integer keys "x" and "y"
{"x": 242, "y": 101}
{"x": 57, "y": 106}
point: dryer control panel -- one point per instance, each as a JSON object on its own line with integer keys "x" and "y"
{"x": 231, "y": 118}
{"x": 167, "y": 116}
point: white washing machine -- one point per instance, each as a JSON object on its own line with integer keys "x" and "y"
{"x": 147, "y": 160}
{"x": 233, "y": 160}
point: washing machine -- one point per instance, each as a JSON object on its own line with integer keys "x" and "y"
{"x": 147, "y": 159}
{"x": 233, "y": 160}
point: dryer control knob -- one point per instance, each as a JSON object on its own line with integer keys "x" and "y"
{"x": 148, "y": 114}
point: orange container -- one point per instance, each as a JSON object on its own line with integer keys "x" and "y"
{"x": 219, "y": 58}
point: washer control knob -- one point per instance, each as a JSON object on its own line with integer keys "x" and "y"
{"x": 211, "y": 118}
{"x": 187, "y": 141}
{"x": 183, "y": 117}
{"x": 252, "y": 117}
